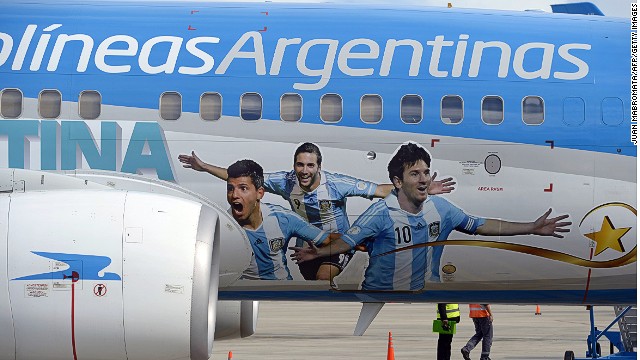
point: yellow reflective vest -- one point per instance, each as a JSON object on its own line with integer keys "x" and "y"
{"x": 452, "y": 311}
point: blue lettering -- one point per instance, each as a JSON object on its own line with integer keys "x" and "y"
{"x": 151, "y": 134}
{"x": 77, "y": 134}
{"x": 62, "y": 146}
{"x": 17, "y": 132}
{"x": 49, "y": 139}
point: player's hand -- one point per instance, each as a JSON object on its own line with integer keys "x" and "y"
{"x": 360, "y": 247}
{"x": 551, "y": 227}
{"x": 191, "y": 161}
{"x": 443, "y": 186}
{"x": 301, "y": 255}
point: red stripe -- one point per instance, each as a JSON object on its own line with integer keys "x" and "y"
{"x": 73, "y": 320}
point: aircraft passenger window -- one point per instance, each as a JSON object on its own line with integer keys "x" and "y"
{"x": 612, "y": 111}
{"x": 291, "y": 107}
{"x": 371, "y": 109}
{"x": 492, "y": 110}
{"x": 251, "y": 106}
{"x": 451, "y": 109}
{"x": 170, "y": 105}
{"x": 11, "y": 103}
{"x": 210, "y": 106}
{"x": 573, "y": 111}
{"x": 89, "y": 104}
{"x": 331, "y": 108}
{"x": 533, "y": 110}
{"x": 49, "y": 104}
{"x": 411, "y": 109}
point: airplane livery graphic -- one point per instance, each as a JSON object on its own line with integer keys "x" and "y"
{"x": 167, "y": 165}
{"x": 608, "y": 237}
{"x": 90, "y": 267}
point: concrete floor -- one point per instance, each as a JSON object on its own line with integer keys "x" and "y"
{"x": 314, "y": 331}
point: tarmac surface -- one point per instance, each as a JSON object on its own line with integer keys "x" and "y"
{"x": 314, "y": 331}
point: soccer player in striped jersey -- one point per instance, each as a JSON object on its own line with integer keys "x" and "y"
{"x": 409, "y": 216}
{"x": 318, "y": 196}
{"x": 269, "y": 227}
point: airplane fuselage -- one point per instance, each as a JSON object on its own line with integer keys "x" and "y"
{"x": 527, "y": 111}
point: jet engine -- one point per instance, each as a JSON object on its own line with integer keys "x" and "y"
{"x": 94, "y": 270}
{"x": 236, "y": 319}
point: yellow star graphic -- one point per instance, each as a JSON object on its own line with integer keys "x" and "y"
{"x": 608, "y": 237}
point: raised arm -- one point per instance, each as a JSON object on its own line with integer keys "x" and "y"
{"x": 383, "y": 190}
{"x": 543, "y": 226}
{"x": 436, "y": 187}
{"x": 193, "y": 162}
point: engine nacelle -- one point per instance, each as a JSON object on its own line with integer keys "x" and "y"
{"x": 236, "y": 319}
{"x": 95, "y": 272}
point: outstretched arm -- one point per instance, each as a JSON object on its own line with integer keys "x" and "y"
{"x": 542, "y": 226}
{"x": 436, "y": 187}
{"x": 383, "y": 190}
{"x": 332, "y": 247}
{"x": 193, "y": 162}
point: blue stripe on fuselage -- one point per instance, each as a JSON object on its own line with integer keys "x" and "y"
{"x": 607, "y": 60}
{"x": 596, "y": 297}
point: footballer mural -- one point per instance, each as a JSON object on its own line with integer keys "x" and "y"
{"x": 402, "y": 233}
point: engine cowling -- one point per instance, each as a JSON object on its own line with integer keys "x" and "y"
{"x": 96, "y": 272}
{"x": 236, "y": 319}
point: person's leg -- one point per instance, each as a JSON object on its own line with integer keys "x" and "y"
{"x": 475, "y": 339}
{"x": 327, "y": 272}
{"x": 332, "y": 266}
{"x": 309, "y": 269}
{"x": 444, "y": 346}
{"x": 487, "y": 338}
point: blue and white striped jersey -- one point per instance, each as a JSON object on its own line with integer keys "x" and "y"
{"x": 326, "y": 206}
{"x": 384, "y": 227}
{"x": 269, "y": 242}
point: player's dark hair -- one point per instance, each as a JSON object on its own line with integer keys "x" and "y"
{"x": 407, "y": 156}
{"x": 308, "y": 148}
{"x": 248, "y": 168}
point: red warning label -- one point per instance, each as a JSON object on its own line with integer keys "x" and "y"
{"x": 100, "y": 290}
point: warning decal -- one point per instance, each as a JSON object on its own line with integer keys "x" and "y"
{"x": 36, "y": 290}
{"x": 100, "y": 290}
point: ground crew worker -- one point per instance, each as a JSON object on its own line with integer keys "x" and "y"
{"x": 483, "y": 322}
{"x": 448, "y": 314}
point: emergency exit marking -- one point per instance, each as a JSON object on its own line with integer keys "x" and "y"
{"x": 100, "y": 290}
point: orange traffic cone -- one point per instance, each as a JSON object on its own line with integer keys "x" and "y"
{"x": 538, "y": 312}
{"x": 230, "y": 355}
{"x": 391, "y": 355}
